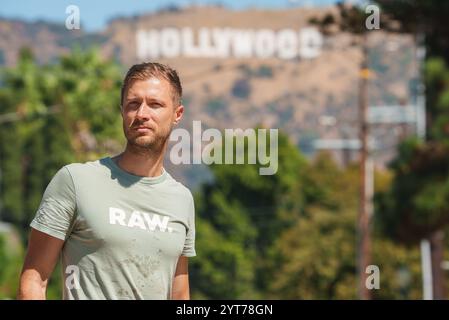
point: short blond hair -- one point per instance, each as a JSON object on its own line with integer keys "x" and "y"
{"x": 147, "y": 70}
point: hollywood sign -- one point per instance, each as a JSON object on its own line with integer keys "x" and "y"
{"x": 228, "y": 42}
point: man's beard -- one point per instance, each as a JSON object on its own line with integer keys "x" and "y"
{"x": 155, "y": 141}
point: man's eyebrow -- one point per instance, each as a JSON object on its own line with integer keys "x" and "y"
{"x": 131, "y": 98}
{"x": 156, "y": 100}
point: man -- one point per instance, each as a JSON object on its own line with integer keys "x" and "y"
{"x": 123, "y": 226}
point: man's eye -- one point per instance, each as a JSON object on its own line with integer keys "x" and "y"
{"x": 133, "y": 104}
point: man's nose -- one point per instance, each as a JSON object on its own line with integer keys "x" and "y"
{"x": 143, "y": 112}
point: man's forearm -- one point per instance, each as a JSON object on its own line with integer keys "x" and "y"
{"x": 181, "y": 295}
{"x": 31, "y": 287}
{"x": 181, "y": 290}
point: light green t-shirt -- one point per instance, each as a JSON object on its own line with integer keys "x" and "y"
{"x": 123, "y": 233}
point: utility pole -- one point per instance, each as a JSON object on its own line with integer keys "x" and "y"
{"x": 364, "y": 241}
{"x": 386, "y": 114}
{"x": 427, "y": 265}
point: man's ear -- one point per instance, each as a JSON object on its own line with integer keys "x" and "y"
{"x": 178, "y": 114}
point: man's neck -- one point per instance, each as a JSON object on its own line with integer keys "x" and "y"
{"x": 141, "y": 163}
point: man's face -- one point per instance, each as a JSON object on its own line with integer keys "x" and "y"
{"x": 149, "y": 113}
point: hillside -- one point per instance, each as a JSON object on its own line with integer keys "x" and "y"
{"x": 308, "y": 98}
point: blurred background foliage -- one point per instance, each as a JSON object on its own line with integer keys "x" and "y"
{"x": 286, "y": 236}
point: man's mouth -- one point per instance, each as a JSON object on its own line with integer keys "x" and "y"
{"x": 142, "y": 129}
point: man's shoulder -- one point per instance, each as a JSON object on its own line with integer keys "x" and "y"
{"x": 180, "y": 188}
{"x": 87, "y": 167}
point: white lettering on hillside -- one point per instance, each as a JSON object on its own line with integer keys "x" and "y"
{"x": 228, "y": 42}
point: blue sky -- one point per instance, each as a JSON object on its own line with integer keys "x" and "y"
{"x": 95, "y": 13}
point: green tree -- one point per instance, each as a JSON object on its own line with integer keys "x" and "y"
{"x": 316, "y": 258}
{"x": 415, "y": 206}
{"x": 52, "y": 115}
{"x": 11, "y": 257}
{"x": 239, "y": 216}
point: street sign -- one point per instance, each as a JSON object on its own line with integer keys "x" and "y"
{"x": 392, "y": 114}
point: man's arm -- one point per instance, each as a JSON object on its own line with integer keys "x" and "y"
{"x": 40, "y": 260}
{"x": 180, "y": 288}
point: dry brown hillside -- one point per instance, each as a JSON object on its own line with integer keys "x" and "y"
{"x": 307, "y": 98}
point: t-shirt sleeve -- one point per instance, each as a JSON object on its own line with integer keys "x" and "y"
{"x": 189, "y": 244}
{"x": 57, "y": 208}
